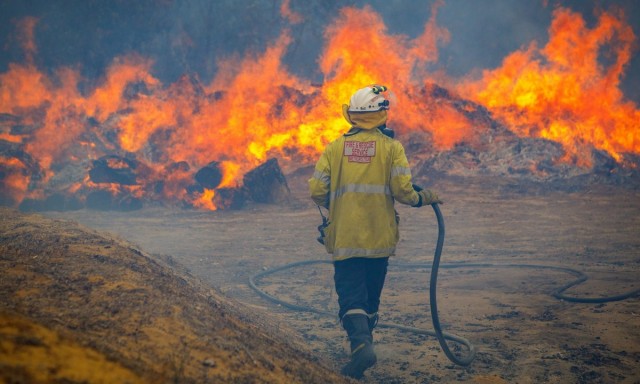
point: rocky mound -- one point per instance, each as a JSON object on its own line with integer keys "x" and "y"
{"x": 80, "y": 306}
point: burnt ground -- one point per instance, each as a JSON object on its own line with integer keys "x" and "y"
{"x": 523, "y": 335}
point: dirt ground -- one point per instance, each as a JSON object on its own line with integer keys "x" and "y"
{"x": 79, "y": 306}
{"x": 522, "y": 334}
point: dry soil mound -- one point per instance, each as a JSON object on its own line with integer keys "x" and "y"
{"x": 80, "y": 306}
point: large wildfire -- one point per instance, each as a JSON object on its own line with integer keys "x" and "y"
{"x": 128, "y": 134}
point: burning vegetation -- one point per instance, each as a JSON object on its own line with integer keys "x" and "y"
{"x": 127, "y": 139}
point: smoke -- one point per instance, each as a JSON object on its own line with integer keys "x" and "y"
{"x": 26, "y": 28}
{"x": 192, "y": 36}
{"x": 293, "y": 17}
{"x": 482, "y": 33}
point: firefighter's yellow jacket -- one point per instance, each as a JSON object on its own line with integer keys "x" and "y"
{"x": 358, "y": 177}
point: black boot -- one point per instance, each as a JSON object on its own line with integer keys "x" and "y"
{"x": 362, "y": 355}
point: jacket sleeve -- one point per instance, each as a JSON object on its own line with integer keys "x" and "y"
{"x": 400, "y": 181}
{"x": 320, "y": 182}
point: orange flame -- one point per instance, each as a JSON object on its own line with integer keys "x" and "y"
{"x": 255, "y": 108}
{"x": 205, "y": 200}
{"x": 392, "y": 60}
{"x": 15, "y": 180}
{"x": 564, "y": 92}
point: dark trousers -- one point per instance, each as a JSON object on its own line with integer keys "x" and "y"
{"x": 359, "y": 283}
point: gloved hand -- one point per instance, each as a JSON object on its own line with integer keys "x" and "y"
{"x": 427, "y": 197}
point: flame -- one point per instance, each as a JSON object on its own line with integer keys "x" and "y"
{"x": 230, "y": 174}
{"x": 254, "y": 108}
{"x": 568, "y": 91}
{"x": 15, "y": 180}
{"x": 108, "y": 98}
{"x": 205, "y": 200}
{"x": 23, "y": 87}
{"x": 393, "y": 60}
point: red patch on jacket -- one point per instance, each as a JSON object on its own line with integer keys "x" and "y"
{"x": 359, "y": 151}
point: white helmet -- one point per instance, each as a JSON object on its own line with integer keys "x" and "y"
{"x": 369, "y": 99}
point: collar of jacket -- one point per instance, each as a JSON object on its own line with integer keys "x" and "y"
{"x": 353, "y": 131}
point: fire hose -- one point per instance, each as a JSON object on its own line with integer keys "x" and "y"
{"x": 437, "y": 331}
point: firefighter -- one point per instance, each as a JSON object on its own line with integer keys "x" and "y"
{"x": 358, "y": 178}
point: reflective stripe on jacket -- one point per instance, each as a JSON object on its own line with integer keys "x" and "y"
{"x": 358, "y": 177}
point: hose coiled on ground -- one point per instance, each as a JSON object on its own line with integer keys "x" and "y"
{"x": 437, "y": 332}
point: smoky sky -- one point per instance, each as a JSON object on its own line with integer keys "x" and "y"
{"x": 190, "y": 36}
